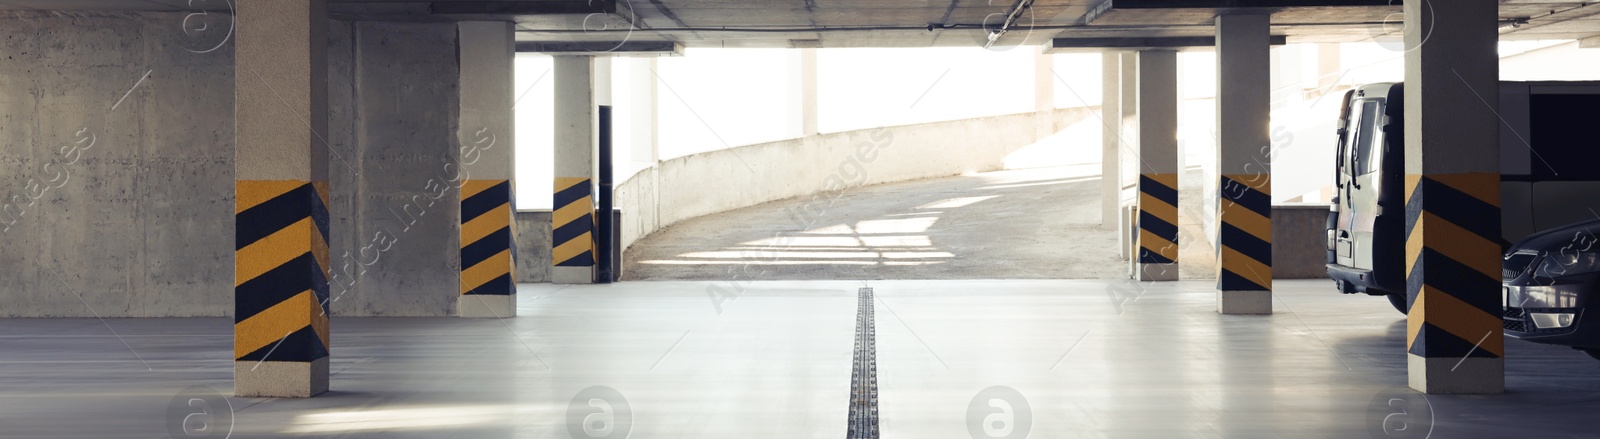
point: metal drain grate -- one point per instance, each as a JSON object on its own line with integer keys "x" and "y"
{"x": 863, "y": 420}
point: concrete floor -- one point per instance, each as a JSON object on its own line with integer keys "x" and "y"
{"x": 1088, "y": 359}
{"x": 1019, "y": 224}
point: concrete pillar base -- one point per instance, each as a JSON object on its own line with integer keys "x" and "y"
{"x": 486, "y": 306}
{"x": 572, "y": 275}
{"x": 280, "y": 379}
{"x": 1244, "y": 302}
{"x": 1156, "y": 273}
{"x": 1449, "y": 375}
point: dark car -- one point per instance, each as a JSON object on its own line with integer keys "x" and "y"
{"x": 1551, "y": 280}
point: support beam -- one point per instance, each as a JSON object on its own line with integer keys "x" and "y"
{"x": 1454, "y": 334}
{"x": 480, "y": 7}
{"x": 1128, "y": 157}
{"x": 572, "y": 220}
{"x": 1110, "y": 138}
{"x": 1158, "y": 165}
{"x": 1044, "y": 91}
{"x": 645, "y": 141}
{"x": 605, "y": 173}
{"x": 1114, "y": 12}
{"x": 1097, "y": 44}
{"x": 1329, "y": 59}
{"x": 280, "y": 333}
{"x": 488, "y": 278}
{"x": 1044, "y": 95}
{"x": 608, "y": 48}
{"x": 1589, "y": 43}
{"x": 1244, "y": 190}
{"x": 803, "y": 92}
{"x": 646, "y": 154}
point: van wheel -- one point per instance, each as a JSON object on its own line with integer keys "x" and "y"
{"x": 1593, "y": 353}
{"x": 1399, "y": 302}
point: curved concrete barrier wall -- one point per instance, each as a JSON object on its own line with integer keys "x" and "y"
{"x": 718, "y": 181}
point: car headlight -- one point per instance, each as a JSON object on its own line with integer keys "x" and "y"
{"x": 1547, "y": 320}
{"x": 1568, "y": 263}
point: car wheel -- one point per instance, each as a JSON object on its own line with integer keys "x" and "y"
{"x": 1593, "y": 353}
{"x": 1399, "y": 302}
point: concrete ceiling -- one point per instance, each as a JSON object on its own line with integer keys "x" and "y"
{"x": 906, "y": 23}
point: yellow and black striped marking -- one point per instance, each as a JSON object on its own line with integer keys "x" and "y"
{"x": 1158, "y": 218}
{"x": 486, "y": 240}
{"x": 281, "y": 271}
{"x": 1244, "y": 262}
{"x": 572, "y": 224}
{"x": 1453, "y": 265}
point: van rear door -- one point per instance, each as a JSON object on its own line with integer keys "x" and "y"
{"x": 1359, "y": 177}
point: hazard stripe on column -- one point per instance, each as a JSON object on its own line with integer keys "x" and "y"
{"x": 486, "y": 238}
{"x": 1244, "y": 261}
{"x": 1158, "y": 218}
{"x": 281, "y": 271}
{"x": 572, "y": 223}
{"x": 1453, "y": 261}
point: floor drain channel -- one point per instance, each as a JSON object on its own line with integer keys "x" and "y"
{"x": 864, "y": 378}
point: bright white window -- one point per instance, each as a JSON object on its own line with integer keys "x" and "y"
{"x": 712, "y": 98}
{"x": 535, "y": 120}
{"x": 1076, "y": 79}
{"x": 868, "y": 88}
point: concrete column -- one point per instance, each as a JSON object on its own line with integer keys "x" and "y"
{"x": 1452, "y": 186}
{"x": 576, "y": 134}
{"x": 1158, "y": 165}
{"x": 1044, "y": 94}
{"x": 1329, "y": 61}
{"x": 605, "y": 189}
{"x": 602, "y": 80}
{"x": 802, "y": 92}
{"x": 1244, "y": 165}
{"x": 488, "y": 280}
{"x": 1110, "y": 138}
{"x": 1130, "y": 89}
{"x": 1287, "y": 76}
{"x": 1130, "y": 117}
{"x": 1044, "y": 91}
{"x": 280, "y": 333}
{"x": 1128, "y": 154}
{"x": 645, "y": 144}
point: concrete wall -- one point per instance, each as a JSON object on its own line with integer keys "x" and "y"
{"x": 136, "y": 218}
{"x": 136, "y": 213}
{"x": 1299, "y": 241}
{"x": 533, "y": 246}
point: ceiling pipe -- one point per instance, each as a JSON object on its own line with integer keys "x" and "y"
{"x": 1512, "y": 25}
{"x": 932, "y": 27}
{"x": 1011, "y": 18}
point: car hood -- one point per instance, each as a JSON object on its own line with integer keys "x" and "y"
{"x": 1555, "y": 239}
